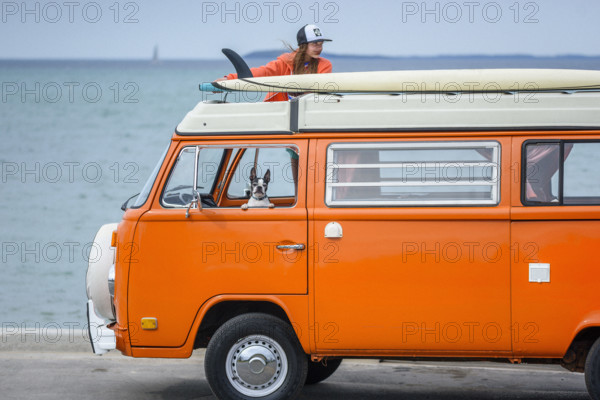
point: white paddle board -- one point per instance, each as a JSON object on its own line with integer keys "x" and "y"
{"x": 459, "y": 80}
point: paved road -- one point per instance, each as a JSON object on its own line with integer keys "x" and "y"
{"x": 82, "y": 376}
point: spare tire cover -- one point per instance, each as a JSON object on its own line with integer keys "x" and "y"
{"x": 102, "y": 257}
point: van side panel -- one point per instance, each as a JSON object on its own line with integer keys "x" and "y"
{"x": 420, "y": 279}
{"x": 548, "y": 315}
{"x": 187, "y": 261}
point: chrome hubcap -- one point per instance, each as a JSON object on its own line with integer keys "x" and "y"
{"x": 256, "y": 366}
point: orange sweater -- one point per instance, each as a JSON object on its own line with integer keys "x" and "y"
{"x": 283, "y": 65}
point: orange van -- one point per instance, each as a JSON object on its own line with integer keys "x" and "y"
{"x": 283, "y": 237}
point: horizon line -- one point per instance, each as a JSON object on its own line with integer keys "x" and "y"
{"x": 331, "y": 55}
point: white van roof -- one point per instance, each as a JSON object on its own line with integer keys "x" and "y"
{"x": 398, "y": 112}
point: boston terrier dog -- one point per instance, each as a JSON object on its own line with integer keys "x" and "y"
{"x": 258, "y": 191}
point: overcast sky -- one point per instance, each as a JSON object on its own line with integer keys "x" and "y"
{"x": 188, "y": 29}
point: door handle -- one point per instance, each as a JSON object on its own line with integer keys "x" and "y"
{"x": 290, "y": 247}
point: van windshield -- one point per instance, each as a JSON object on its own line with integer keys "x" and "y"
{"x": 143, "y": 196}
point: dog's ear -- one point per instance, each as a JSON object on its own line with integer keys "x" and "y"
{"x": 267, "y": 177}
{"x": 252, "y": 174}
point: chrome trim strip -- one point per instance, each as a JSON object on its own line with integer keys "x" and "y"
{"x": 412, "y": 164}
{"x": 411, "y": 183}
{"x": 290, "y": 247}
{"x": 197, "y": 156}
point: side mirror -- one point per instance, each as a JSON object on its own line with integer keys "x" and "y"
{"x": 126, "y": 204}
{"x": 196, "y": 201}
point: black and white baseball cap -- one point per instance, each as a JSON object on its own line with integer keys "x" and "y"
{"x": 310, "y": 33}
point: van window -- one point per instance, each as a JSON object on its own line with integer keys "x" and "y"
{"x": 282, "y": 163}
{"x": 561, "y": 173}
{"x": 232, "y": 165}
{"x": 413, "y": 174}
{"x": 179, "y": 189}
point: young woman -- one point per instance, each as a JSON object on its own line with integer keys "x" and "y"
{"x": 304, "y": 60}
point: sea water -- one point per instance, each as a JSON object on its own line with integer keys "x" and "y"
{"x": 79, "y": 138}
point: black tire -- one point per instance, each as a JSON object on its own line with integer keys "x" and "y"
{"x": 255, "y": 356}
{"x": 592, "y": 371}
{"x": 318, "y": 372}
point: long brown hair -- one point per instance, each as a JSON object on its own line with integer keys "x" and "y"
{"x": 298, "y": 64}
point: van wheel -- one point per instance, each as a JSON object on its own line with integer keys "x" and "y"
{"x": 592, "y": 371}
{"x": 255, "y": 356}
{"x": 318, "y": 372}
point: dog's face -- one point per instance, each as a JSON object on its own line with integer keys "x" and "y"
{"x": 259, "y": 185}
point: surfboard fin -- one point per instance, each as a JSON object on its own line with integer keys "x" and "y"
{"x": 241, "y": 68}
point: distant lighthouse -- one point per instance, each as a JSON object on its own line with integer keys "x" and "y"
{"x": 155, "y": 55}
